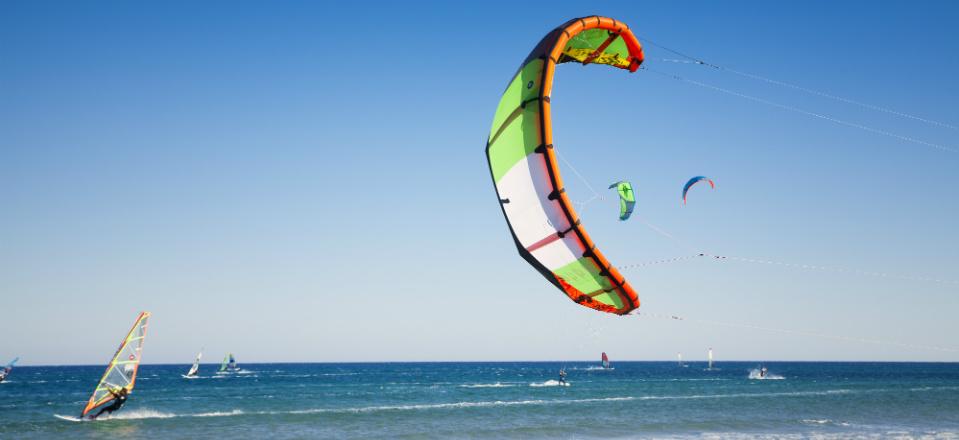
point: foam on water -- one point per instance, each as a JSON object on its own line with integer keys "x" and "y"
{"x": 754, "y": 374}
{"x": 593, "y": 368}
{"x": 457, "y": 405}
{"x": 487, "y": 385}
{"x": 138, "y": 414}
{"x": 550, "y": 383}
{"x": 235, "y": 412}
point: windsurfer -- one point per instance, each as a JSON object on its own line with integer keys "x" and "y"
{"x": 562, "y": 376}
{"x": 119, "y": 398}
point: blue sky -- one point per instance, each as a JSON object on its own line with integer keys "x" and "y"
{"x": 298, "y": 181}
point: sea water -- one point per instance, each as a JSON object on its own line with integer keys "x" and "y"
{"x": 497, "y": 400}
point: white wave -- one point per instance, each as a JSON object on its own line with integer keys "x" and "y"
{"x": 481, "y": 404}
{"x": 754, "y": 374}
{"x": 823, "y": 422}
{"x": 137, "y": 414}
{"x": 235, "y": 412}
{"x": 592, "y": 368}
{"x": 735, "y": 395}
{"x": 550, "y": 383}
{"x": 946, "y": 388}
{"x": 487, "y": 385}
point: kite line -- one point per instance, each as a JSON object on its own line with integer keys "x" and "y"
{"x": 688, "y": 59}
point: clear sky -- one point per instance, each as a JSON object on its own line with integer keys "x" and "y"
{"x": 306, "y": 181}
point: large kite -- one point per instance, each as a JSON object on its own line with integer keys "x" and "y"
{"x": 545, "y": 228}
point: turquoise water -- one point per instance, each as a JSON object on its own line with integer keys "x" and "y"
{"x": 497, "y": 400}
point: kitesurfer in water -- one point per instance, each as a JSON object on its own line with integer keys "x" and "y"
{"x": 562, "y": 376}
{"x": 119, "y": 398}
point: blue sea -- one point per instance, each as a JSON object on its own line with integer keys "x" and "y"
{"x": 498, "y": 400}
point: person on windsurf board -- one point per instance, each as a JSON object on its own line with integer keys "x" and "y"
{"x": 119, "y": 398}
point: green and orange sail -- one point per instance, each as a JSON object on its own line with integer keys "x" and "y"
{"x": 545, "y": 227}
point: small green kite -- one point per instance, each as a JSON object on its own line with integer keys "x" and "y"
{"x": 626, "y": 198}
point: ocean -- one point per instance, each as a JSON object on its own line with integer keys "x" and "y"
{"x": 497, "y": 400}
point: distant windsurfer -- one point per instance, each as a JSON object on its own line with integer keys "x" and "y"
{"x": 119, "y": 398}
{"x": 5, "y": 371}
{"x": 562, "y": 376}
{"x": 762, "y": 371}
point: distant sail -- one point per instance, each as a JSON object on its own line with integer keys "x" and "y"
{"x": 680, "y": 357}
{"x": 605, "y": 360}
{"x": 226, "y": 361}
{"x": 7, "y": 369}
{"x": 195, "y": 369}
{"x": 232, "y": 364}
{"x": 710, "y": 359}
{"x": 122, "y": 371}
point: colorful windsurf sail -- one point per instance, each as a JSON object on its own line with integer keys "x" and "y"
{"x": 694, "y": 181}
{"x": 626, "y": 198}
{"x": 226, "y": 361}
{"x": 232, "y": 364}
{"x": 121, "y": 374}
{"x": 545, "y": 227}
{"x": 605, "y": 360}
{"x": 195, "y": 368}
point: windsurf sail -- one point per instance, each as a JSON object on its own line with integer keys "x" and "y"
{"x": 122, "y": 372}
{"x": 710, "y": 356}
{"x": 605, "y": 360}
{"x": 679, "y": 356}
{"x": 541, "y": 217}
{"x": 7, "y": 369}
{"x": 232, "y": 364}
{"x": 195, "y": 369}
{"x": 226, "y": 361}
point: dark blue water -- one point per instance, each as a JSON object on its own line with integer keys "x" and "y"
{"x": 499, "y": 400}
